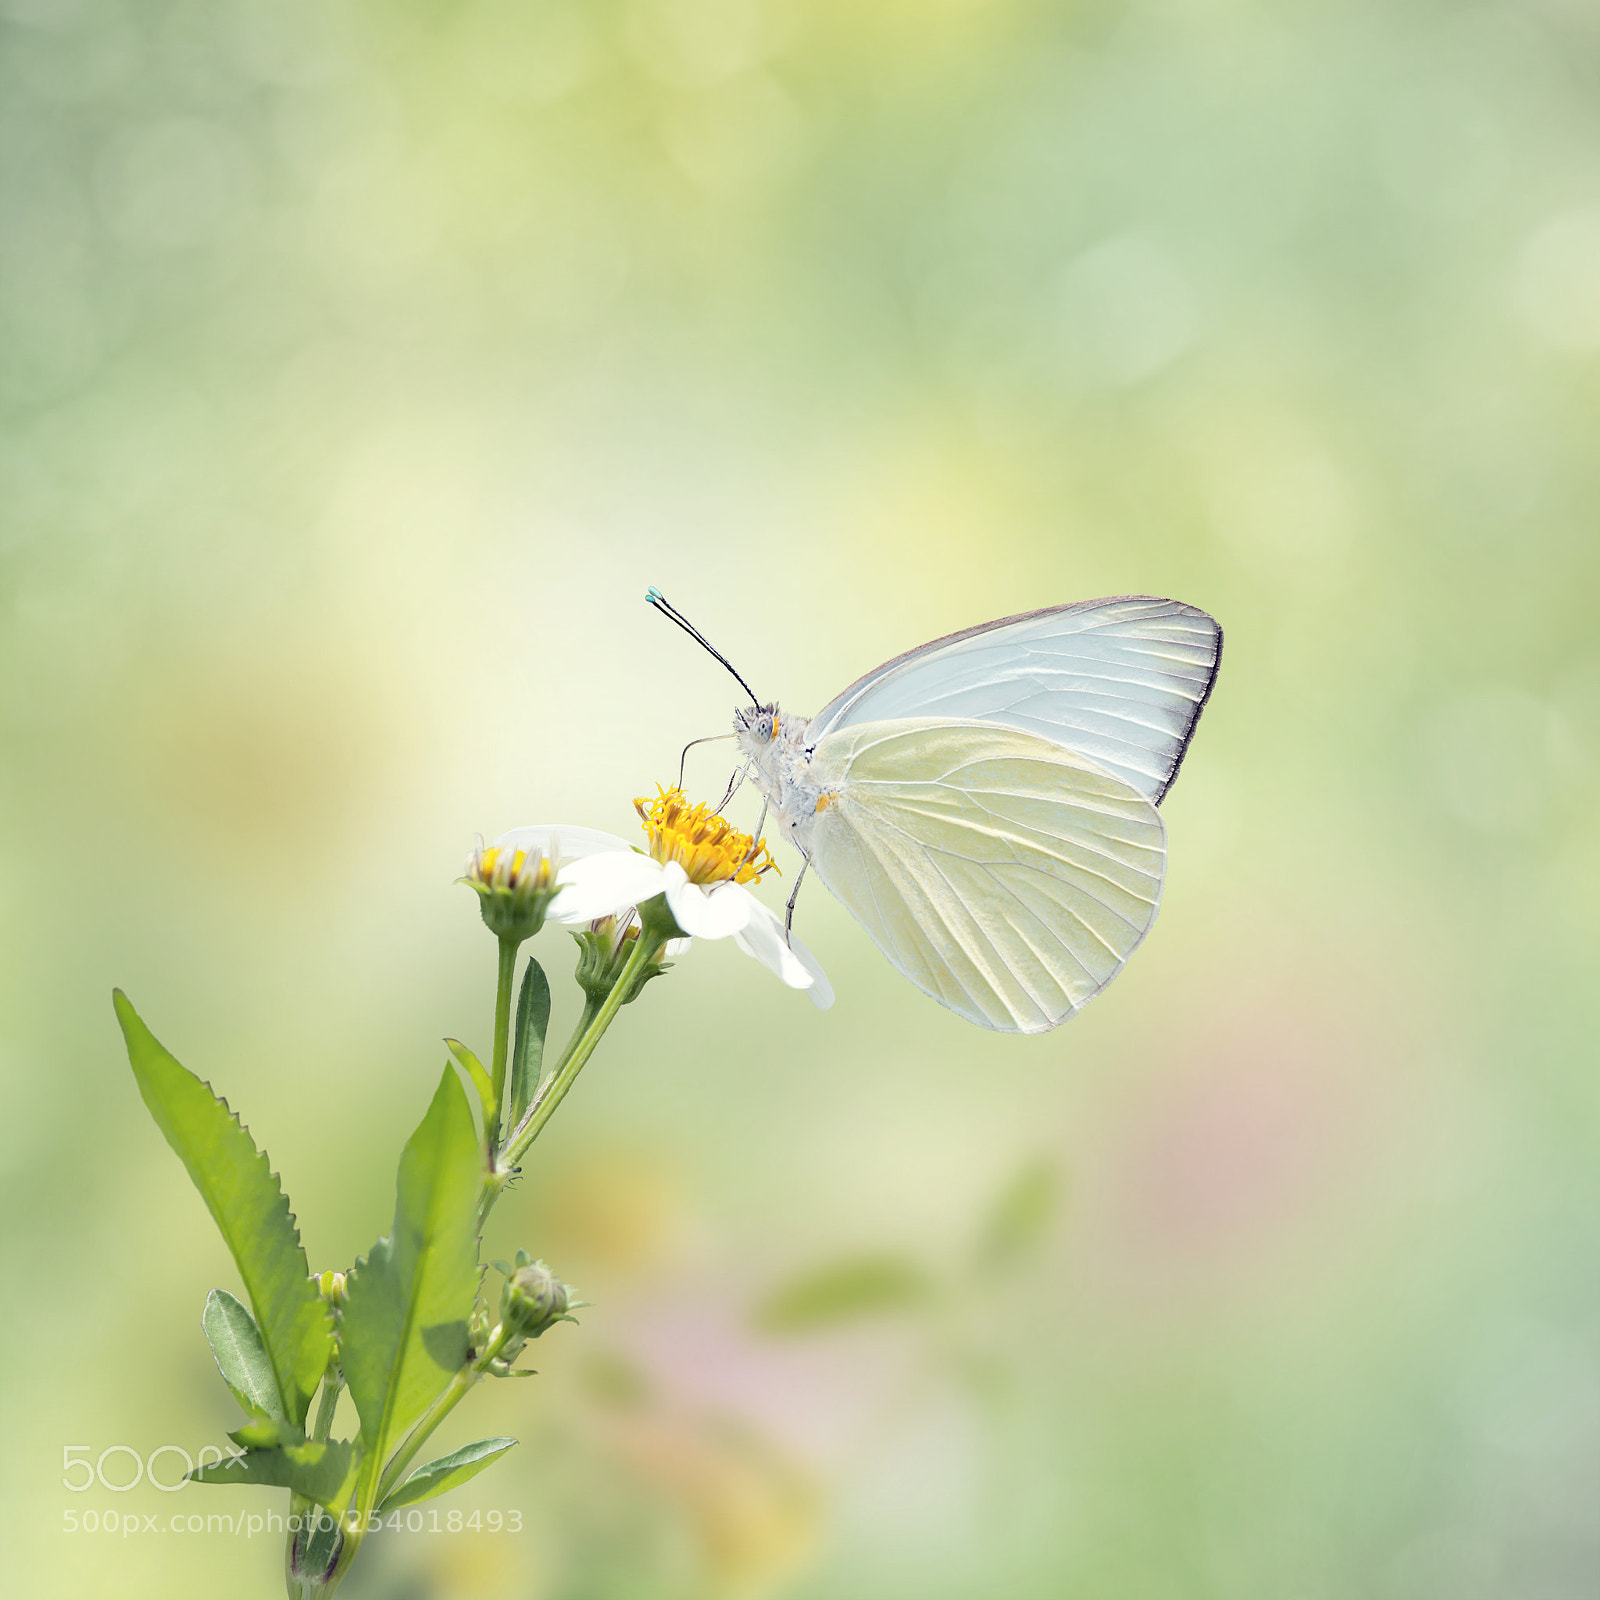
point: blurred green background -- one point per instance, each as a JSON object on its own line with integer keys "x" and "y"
{"x": 360, "y": 365}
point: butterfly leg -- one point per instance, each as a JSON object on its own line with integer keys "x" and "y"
{"x": 788, "y": 912}
{"x": 755, "y": 837}
{"x": 733, "y": 783}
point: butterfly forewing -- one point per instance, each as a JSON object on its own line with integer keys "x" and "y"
{"x": 1003, "y": 874}
{"x": 1121, "y": 681}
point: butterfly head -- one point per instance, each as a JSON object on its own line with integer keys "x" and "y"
{"x": 756, "y": 726}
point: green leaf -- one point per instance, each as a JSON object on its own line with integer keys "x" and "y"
{"x": 481, "y": 1081}
{"x": 1017, "y": 1221}
{"x": 248, "y": 1204}
{"x": 527, "y": 1052}
{"x": 846, "y": 1291}
{"x": 321, "y": 1470}
{"x": 434, "y": 1477}
{"x": 403, "y": 1331}
{"x": 265, "y": 1432}
{"x": 241, "y": 1357}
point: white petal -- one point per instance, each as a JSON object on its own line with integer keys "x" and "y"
{"x": 763, "y": 938}
{"x": 601, "y": 885}
{"x": 821, "y": 991}
{"x": 676, "y": 947}
{"x": 725, "y": 910}
{"x": 559, "y": 837}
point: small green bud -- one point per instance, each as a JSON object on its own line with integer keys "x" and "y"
{"x": 603, "y": 951}
{"x": 514, "y": 887}
{"x": 532, "y": 1299}
{"x": 331, "y": 1286}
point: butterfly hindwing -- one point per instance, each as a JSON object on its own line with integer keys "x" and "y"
{"x": 1005, "y": 875}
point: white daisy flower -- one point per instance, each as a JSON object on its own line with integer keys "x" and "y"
{"x": 700, "y": 862}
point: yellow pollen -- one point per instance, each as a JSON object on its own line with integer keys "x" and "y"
{"x": 495, "y": 855}
{"x": 708, "y": 847}
{"x": 492, "y": 855}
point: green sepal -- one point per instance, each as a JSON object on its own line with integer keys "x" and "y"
{"x": 655, "y": 917}
{"x": 863, "y": 1286}
{"x": 267, "y": 1432}
{"x": 481, "y": 1081}
{"x": 241, "y": 1357}
{"x": 248, "y": 1204}
{"x": 405, "y": 1326}
{"x": 603, "y": 958}
{"x": 527, "y": 1053}
{"x": 434, "y": 1477}
{"x": 323, "y": 1470}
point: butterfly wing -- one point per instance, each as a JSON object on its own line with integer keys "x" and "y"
{"x": 1121, "y": 681}
{"x": 1005, "y": 875}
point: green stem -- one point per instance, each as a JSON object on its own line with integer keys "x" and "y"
{"x": 591, "y": 1009}
{"x": 312, "y": 1590}
{"x": 332, "y": 1388}
{"x": 500, "y": 1175}
{"x": 299, "y": 1506}
{"x": 437, "y": 1412}
{"x": 592, "y": 1024}
{"x": 502, "y": 1044}
{"x": 645, "y": 950}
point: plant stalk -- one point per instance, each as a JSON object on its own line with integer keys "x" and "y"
{"x": 332, "y": 1388}
{"x": 441, "y": 1408}
{"x": 502, "y": 1046}
{"x": 646, "y": 949}
{"x": 596, "y": 1018}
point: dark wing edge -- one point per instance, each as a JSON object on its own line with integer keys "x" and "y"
{"x": 1194, "y": 721}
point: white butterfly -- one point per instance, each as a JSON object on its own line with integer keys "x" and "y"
{"x": 985, "y": 805}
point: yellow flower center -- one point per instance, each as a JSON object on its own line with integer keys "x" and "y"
{"x": 504, "y": 868}
{"x": 708, "y": 847}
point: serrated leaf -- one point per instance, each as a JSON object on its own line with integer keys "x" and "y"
{"x": 845, "y": 1291}
{"x": 248, "y": 1204}
{"x": 434, "y": 1477}
{"x": 527, "y": 1053}
{"x": 403, "y": 1331}
{"x": 241, "y": 1357}
{"x": 1017, "y": 1221}
{"x": 265, "y": 1432}
{"x": 321, "y": 1470}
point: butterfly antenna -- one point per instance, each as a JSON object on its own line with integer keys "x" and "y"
{"x": 655, "y": 598}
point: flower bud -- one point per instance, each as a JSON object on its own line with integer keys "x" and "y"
{"x": 514, "y": 888}
{"x": 331, "y": 1286}
{"x": 603, "y": 951}
{"x": 532, "y": 1299}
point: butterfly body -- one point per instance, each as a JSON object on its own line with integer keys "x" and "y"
{"x": 774, "y": 745}
{"x": 986, "y": 805}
